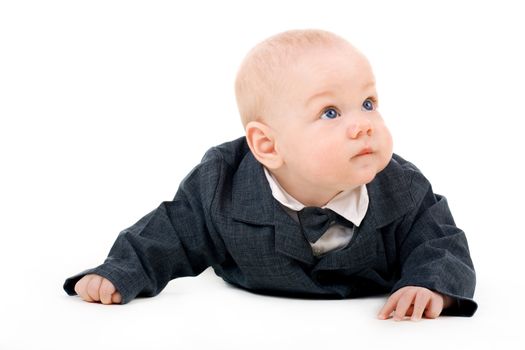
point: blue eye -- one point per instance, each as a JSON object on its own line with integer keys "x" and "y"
{"x": 368, "y": 104}
{"x": 330, "y": 113}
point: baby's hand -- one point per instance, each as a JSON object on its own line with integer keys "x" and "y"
{"x": 94, "y": 288}
{"x": 414, "y": 301}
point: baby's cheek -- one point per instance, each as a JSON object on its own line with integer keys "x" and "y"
{"x": 388, "y": 145}
{"x": 384, "y": 135}
{"x": 325, "y": 163}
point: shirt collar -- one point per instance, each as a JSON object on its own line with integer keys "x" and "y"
{"x": 351, "y": 204}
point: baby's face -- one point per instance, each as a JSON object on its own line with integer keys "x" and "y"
{"x": 328, "y": 130}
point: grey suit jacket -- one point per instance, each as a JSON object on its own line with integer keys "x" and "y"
{"x": 224, "y": 215}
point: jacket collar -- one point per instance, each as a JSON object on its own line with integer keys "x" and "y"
{"x": 253, "y": 203}
{"x": 351, "y": 204}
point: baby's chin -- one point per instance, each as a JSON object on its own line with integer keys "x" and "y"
{"x": 366, "y": 179}
{"x": 354, "y": 182}
{"x": 366, "y": 174}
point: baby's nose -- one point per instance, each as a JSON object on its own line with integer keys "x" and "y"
{"x": 359, "y": 128}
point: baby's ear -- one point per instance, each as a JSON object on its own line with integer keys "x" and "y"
{"x": 261, "y": 141}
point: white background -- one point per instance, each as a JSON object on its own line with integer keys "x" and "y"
{"x": 106, "y": 105}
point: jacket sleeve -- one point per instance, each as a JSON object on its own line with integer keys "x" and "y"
{"x": 433, "y": 252}
{"x": 176, "y": 239}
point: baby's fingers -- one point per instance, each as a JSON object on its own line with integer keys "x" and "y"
{"x": 434, "y": 307}
{"x": 93, "y": 287}
{"x": 420, "y": 304}
{"x": 106, "y": 291}
{"x": 389, "y": 306}
{"x": 116, "y": 298}
{"x": 403, "y": 305}
{"x": 81, "y": 288}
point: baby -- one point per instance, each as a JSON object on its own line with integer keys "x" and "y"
{"x": 311, "y": 202}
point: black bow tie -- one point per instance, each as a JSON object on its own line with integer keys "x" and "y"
{"x": 315, "y": 221}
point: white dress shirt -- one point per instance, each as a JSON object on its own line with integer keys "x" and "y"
{"x": 350, "y": 204}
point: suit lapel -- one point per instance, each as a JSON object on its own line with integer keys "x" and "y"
{"x": 289, "y": 238}
{"x": 253, "y": 203}
{"x": 252, "y": 200}
{"x": 389, "y": 199}
{"x": 360, "y": 252}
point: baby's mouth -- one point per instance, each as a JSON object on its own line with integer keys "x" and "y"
{"x": 364, "y": 151}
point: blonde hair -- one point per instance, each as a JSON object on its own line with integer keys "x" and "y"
{"x": 259, "y": 78}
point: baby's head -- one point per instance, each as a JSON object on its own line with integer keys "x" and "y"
{"x": 308, "y": 104}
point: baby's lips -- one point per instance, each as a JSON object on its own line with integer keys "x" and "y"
{"x": 363, "y": 151}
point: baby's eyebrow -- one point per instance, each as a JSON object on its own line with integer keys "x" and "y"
{"x": 369, "y": 84}
{"x": 318, "y": 95}
{"x": 331, "y": 93}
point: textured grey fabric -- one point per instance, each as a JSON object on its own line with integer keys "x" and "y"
{"x": 224, "y": 215}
